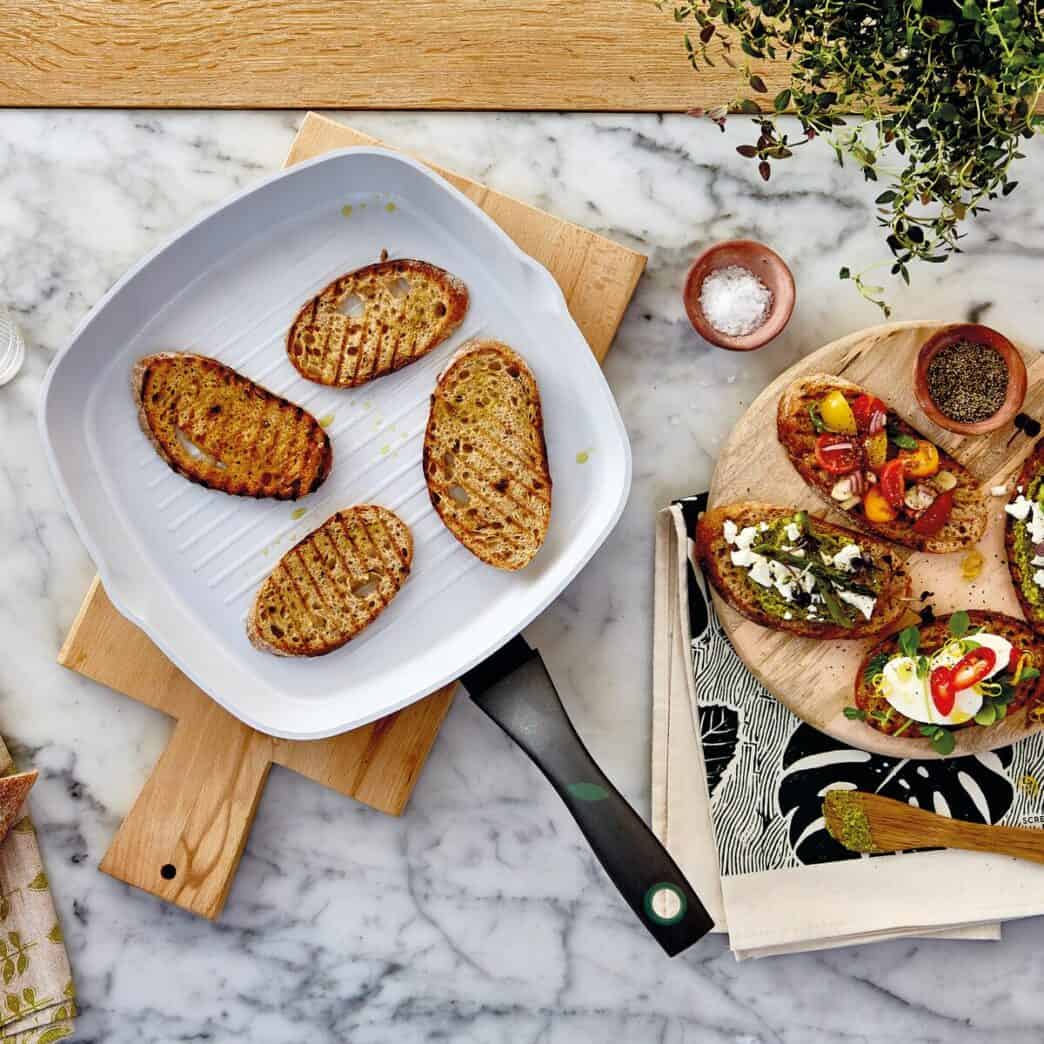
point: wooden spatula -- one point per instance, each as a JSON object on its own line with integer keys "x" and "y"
{"x": 870, "y": 823}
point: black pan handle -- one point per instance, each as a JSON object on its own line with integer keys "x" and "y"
{"x": 515, "y": 690}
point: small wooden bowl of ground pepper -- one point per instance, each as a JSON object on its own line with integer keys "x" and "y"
{"x": 970, "y": 379}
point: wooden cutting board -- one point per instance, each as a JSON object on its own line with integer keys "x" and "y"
{"x": 813, "y": 678}
{"x": 428, "y": 54}
{"x": 185, "y": 833}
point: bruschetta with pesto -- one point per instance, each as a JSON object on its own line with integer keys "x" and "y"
{"x": 792, "y": 571}
{"x": 963, "y": 671}
{"x": 1024, "y": 537}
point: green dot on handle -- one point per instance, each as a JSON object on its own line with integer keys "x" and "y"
{"x": 588, "y": 791}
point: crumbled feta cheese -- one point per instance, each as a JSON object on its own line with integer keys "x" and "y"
{"x": 998, "y": 491}
{"x": 788, "y": 615}
{"x": 729, "y": 531}
{"x": 1037, "y": 560}
{"x": 793, "y": 531}
{"x": 1038, "y": 577}
{"x": 760, "y": 572}
{"x": 846, "y": 556}
{"x": 1030, "y": 512}
{"x": 782, "y": 580}
{"x": 746, "y": 537}
{"x": 798, "y": 552}
{"x": 744, "y": 557}
{"x": 763, "y": 527}
{"x": 864, "y": 603}
{"x": 807, "y": 582}
{"x": 1019, "y": 508}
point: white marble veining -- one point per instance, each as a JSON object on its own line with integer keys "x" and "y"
{"x": 480, "y": 915}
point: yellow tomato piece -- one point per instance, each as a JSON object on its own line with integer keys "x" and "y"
{"x": 876, "y": 508}
{"x": 837, "y": 414}
{"x": 877, "y": 450}
{"x": 921, "y": 462}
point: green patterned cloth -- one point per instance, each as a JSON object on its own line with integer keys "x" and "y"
{"x": 36, "y": 992}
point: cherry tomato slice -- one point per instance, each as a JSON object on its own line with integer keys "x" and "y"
{"x": 936, "y": 516}
{"x": 972, "y": 668}
{"x": 870, "y": 413}
{"x": 893, "y": 486}
{"x": 1013, "y": 659}
{"x": 943, "y": 693}
{"x": 837, "y": 454}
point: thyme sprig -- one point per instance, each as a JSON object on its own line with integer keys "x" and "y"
{"x": 950, "y": 85}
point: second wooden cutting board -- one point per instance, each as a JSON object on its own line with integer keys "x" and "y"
{"x": 184, "y": 836}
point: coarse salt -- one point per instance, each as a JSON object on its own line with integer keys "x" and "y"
{"x": 734, "y": 301}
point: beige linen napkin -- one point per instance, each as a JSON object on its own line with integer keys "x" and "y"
{"x": 36, "y": 991}
{"x": 725, "y": 804}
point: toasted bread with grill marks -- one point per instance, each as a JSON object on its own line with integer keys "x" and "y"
{"x": 332, "y": 584}
{"x": 485, "y": 460}
{"x": 14, "y": 790}
{"x": 967, "y": 521}
{"x": 733, "y": 582}
{"x": 374, "y": 321}
{"x": 219, "y": 429}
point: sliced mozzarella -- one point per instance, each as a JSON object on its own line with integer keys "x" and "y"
{"x": 966, "y": 704}
{"x": 1000, "y": 646}
{"x": 907, "y": 693}
{"x": 729, "y": 530}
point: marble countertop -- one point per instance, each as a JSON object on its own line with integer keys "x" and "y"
{"x": 479, "y": 915}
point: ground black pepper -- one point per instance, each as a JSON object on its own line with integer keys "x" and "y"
{"x": 968, "y": 381}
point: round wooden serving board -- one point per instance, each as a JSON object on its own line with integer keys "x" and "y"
{"x": 815, "y": 679}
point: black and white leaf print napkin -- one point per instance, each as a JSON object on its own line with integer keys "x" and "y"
{"x": 737, "y": 790}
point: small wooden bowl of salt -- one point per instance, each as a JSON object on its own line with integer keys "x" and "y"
{"x": 739, "y": 295}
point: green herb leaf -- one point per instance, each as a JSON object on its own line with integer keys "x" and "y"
{"x": 1028, "y": 674}
{"x": 855, "y": 714}
{"x": 943, "y": 741}
{"x": 901, "y": 439}
{"x": 817, "y": 421}
{"x": 959, "y": 624}
{"x": 987, "y": 715}
{"x": 909, "y": 641}
{"x": 874, "y": 666}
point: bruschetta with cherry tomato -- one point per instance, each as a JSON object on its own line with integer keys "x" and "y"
{"x": 864, "y": 459}
{"x": 967, "y": 670}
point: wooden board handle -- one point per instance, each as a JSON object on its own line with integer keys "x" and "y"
{"x": 183, "y": 838}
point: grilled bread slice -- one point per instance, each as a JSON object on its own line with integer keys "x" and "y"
{"x": 375, "y": 320}
{"x": 485, "y": 460}
{"x": 13, "y": 792}
{"x": 1019, "y": 545}
{"x": 882, "y": 716}
{"x": 332, "y": 584}
{"x": 797, "y": 434}
{"x": 880, "y": 566}
{"x": 220, "y": 429}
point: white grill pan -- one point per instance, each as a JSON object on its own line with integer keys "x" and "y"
{"x": 184, "y": 563}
